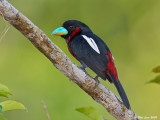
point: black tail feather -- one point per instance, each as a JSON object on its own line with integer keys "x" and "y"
{"x": 121, "y": 92}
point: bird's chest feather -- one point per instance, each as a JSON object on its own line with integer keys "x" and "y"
{"x": 71, "y": 51}
{"x": 80, "y": 47}
{"x": 77, "y": 47}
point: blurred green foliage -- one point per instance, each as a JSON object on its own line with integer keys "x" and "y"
{"x": 8, "y": 104}
{"x": 130, "y": 28}
{"x": 157, "y": 78}
{"x": 11, "y": 105}
{"x": 4, "y": 91}
{"x": 156, "y": 69}
{"x": 90, "y": 112}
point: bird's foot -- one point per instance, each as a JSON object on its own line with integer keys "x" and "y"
{"x": 96, "y": 79}
{"x": 84, "y": 68}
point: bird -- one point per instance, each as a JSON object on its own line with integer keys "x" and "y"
{"x": 91, "y": 51}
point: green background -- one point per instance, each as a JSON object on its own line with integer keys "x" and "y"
{"x": 131, "y": 29}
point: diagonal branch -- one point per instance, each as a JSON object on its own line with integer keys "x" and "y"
{"x": 39, "y": 39}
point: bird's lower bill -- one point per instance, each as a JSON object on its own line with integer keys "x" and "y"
{"x": 60, "y": 33}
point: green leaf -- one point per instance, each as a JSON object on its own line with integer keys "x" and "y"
{"x": 1, "y": 108}
{"x": 155, "y": 80}
{"x": 156, "y": 69}
{"x": 11, "y": 105}
{"x": 2, "y": 118}
{"x": 4, "y": 91}
{"x": 91, "y": 112}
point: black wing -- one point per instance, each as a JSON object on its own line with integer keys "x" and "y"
{"x": 97, "y": 62}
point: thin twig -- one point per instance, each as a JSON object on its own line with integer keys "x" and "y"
{"x": 104, "y": 118}
{"x": 4, "y": 32}
{"x": 7, "y": 27}
{"x": 45, "y": 110}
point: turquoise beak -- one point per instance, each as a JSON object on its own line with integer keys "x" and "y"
{"x": 60, "y": 31}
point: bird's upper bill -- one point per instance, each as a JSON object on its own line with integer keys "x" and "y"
{"x": 60, "y": 31}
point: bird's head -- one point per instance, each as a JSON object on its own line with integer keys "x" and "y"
{"x": 71, "y": 28}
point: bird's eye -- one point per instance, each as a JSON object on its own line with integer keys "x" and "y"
{"x": 71, "y": 27}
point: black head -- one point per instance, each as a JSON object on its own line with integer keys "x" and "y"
{"x": 72, "y": 25}
{"x": 71, "y": 28}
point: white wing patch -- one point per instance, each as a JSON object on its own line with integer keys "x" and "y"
{"x": 113, "y": 58}
{"x": 92, "y": 43}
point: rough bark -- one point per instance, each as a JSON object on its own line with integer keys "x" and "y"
{"x": 39, "y": 39}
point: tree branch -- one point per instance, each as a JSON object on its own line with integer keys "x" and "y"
{"x": 39, "y": 39}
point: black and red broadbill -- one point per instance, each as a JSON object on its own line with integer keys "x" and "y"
{"x": 91, "y": 51}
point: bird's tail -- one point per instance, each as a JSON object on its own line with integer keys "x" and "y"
{"x": 121, "y": 92}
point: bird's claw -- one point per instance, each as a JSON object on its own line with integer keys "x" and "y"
{"x": 96, "y": 79}
{"x": 84, "y": 69}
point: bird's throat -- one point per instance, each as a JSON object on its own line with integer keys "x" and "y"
{"x": 74, "y": 33}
